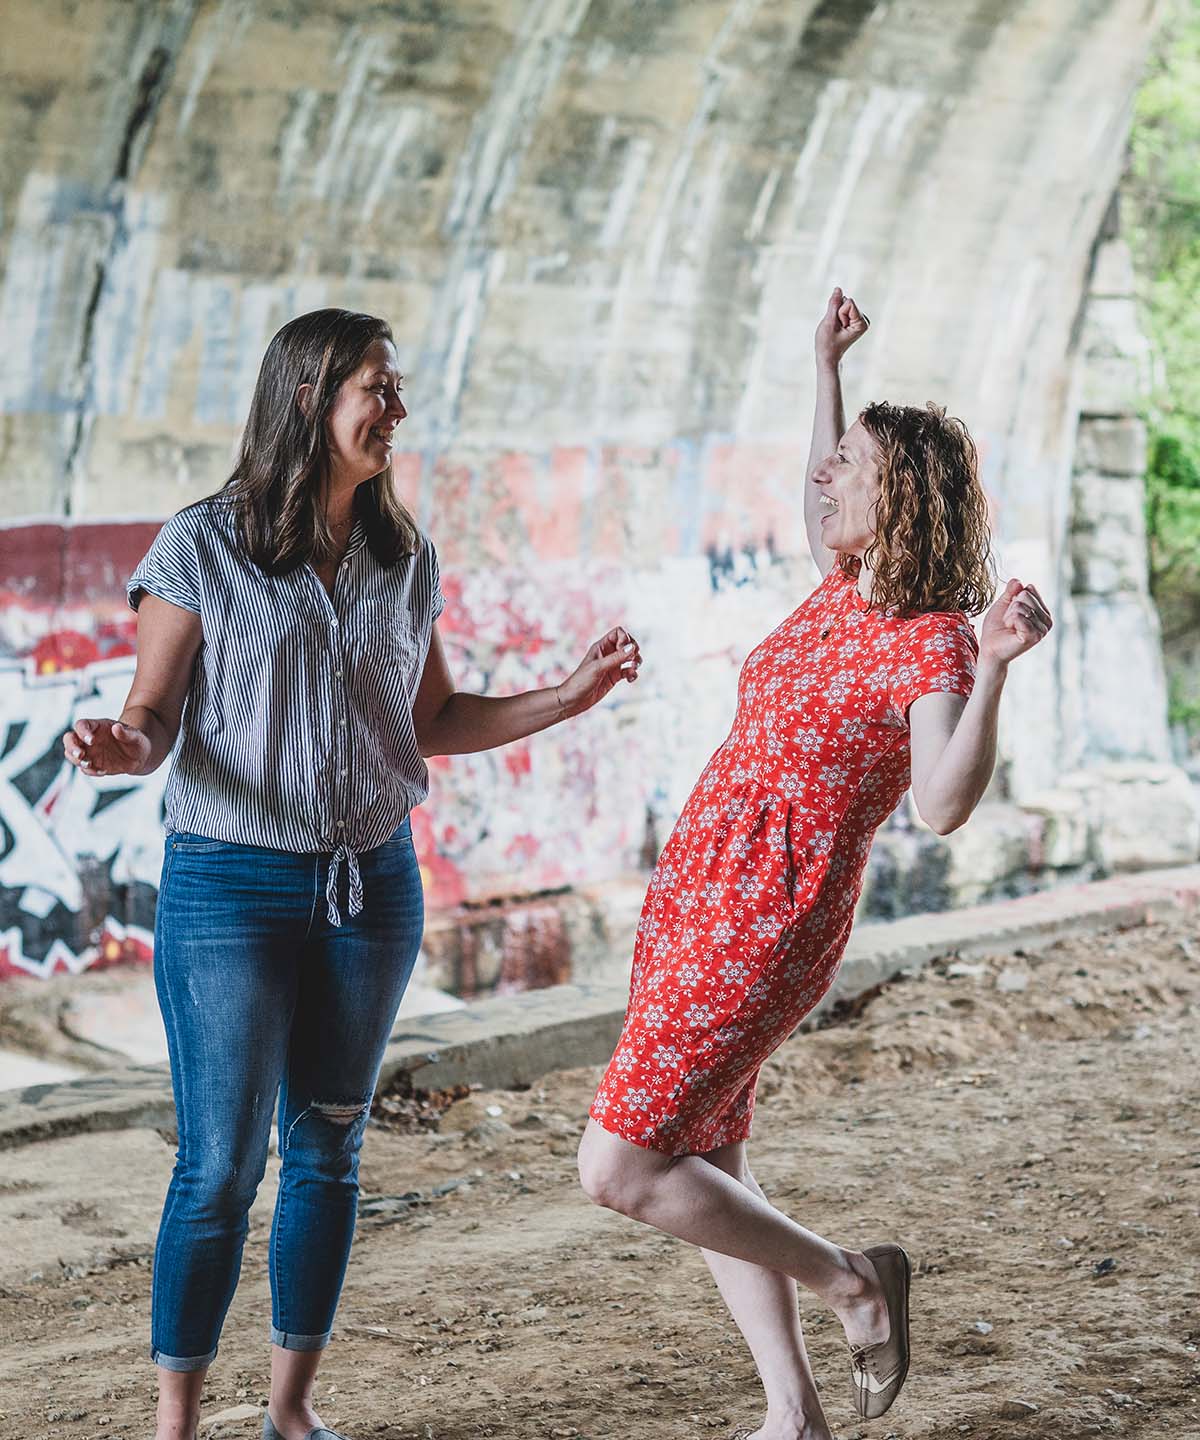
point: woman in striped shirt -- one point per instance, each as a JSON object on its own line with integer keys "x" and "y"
{"x": 288, "y": 659}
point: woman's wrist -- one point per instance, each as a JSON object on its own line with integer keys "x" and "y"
{"x": 991, "y": 673}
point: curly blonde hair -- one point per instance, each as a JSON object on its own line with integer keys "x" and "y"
{"x": 932, "y": 546}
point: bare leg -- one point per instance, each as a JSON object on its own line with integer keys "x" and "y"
{"x": 698, "y": 1202}
{"x": 179, "y": 1393}
{"x": 291, "y": 1405}
{"x": 765, "y": 1306}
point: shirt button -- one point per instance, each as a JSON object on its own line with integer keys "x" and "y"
{"x": 342, "y": 772}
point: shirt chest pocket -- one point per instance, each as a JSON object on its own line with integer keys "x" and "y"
{"x": 388, "y": 635}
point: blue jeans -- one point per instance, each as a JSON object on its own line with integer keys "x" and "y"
{"x": 261, "y": 995}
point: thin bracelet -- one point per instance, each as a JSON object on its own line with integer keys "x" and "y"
{"x": 558, "y": 699}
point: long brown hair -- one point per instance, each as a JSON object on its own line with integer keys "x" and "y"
{"x": 275, "y": 488}
{"x": 932, "y": 548}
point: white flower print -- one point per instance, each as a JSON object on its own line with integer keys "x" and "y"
{"x": 791, "y": 785}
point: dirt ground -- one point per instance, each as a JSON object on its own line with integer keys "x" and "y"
{"x": 1027, "y": 1127}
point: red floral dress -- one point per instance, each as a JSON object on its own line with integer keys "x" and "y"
{"x": 750, "y": 905}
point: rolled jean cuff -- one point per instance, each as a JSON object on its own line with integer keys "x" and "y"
{"x": 287, "y": 1341}
{"x": 182, "y": 1363}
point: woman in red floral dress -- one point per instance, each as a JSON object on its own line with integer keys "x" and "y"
{"x": 875, "y": 682}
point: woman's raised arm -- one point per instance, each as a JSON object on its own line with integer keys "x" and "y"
{"x": 841, "y": 325}
{"x": 954, "y": 741}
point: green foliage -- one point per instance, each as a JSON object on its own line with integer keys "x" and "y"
{"x": 1173, "y": 502}
{"x": 1162, "y": 224}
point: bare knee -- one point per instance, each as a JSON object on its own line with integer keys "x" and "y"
{"x": 613, "y": 1178}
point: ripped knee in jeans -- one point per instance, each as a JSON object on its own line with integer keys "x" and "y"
{"x": 340, "y": 1112}
{"x": 348, "y": 1119}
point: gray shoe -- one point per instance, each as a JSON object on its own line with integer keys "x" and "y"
{"x": 878, "y": 1371}
{"x": 320, "y": 1433}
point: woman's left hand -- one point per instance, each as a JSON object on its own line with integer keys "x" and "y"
{"x": 613, "y": 657}
{"x": 1014, "y": 624}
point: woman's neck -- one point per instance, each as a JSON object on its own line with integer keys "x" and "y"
{"x": 864, "y": 581}
{"x": 338, "y": 504}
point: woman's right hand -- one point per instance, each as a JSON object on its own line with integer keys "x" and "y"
{"x": 841, "y": 325}
{"x": 106, "y": 747}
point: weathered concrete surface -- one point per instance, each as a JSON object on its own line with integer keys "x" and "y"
{"x": 511, "y": 1042}
{"x": 603, "y": 234}
{"x": 88, "y": 1024}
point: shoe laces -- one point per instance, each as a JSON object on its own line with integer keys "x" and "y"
{"x": 865, "y": 1358}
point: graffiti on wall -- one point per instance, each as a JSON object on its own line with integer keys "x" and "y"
{"x": 541, "y": 553}
{"x": 78, "y": 865}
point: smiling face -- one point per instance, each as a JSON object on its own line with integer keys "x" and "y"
{"x": 362, "y": 421}
{"x": 849, "y": 484}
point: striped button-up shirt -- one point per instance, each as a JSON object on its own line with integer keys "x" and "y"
{"x": 297, "y": 731}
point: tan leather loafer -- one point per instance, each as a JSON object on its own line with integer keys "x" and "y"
{"x": 878, "y": 1371}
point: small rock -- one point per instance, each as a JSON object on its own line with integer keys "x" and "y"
{"x": 1064, "y": 1244}
{"x": 1012, "y": 982}
{"x": 494, "y": 1110}
{"x": 237, "y": 1412}
{"x": 981, "y": 1327}
{"x": 965, "y": 969}
{"x": 1017, "y": 1409}
{"x": 390, "y": 1205}
{"x": 1118, "y": 1398}
{"x": 1105, "y": 1266}
{"x": 488, "y": 1130}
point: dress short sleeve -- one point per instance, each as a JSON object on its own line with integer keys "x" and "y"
{"x": 938, "y": 655}
{"x": 170, "y": 569}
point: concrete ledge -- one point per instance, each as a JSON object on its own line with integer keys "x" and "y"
{"x": 512, "y": 1041}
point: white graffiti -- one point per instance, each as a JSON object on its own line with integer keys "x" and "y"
{"x": 114, "y": 820}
